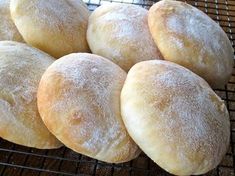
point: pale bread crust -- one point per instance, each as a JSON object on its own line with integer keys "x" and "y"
{"x": 120, "y": 33}
{"x": 21, "y": 68}
{"x": 78, "y": 99}
{"x": 187, "y": 36}
{"x": 8, "y": 30}
{"x": 57, "y": 27}
{"x": 175, "y": 117}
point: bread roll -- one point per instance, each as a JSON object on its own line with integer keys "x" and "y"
{"x": 175, "y": 117}
{"x": 187, "y": 36}
{"x": 120, "y": 33}
{"x": 8, "y": 30}
{"x": 21, "y": 68}
{"x": 79, "y": 101}
{"x": 57, "y": 27}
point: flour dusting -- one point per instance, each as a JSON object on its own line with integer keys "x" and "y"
{"x": 91, "y": 87}
{"x": 197, "y": 27}
{"x": 8, "y": 30}
{"x": 127, "y": 33}
{"x": 192, "y": 112}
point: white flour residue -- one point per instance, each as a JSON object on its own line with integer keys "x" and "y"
{"x": 8, "y": 30}
{"x": 209, "y": 36}
{"x": 189, "y": 111}
{"x": 62, "y": 16}
{"x": 196, "y": 25}
{"x": 21, "y": 68}
{"x": 128, "y": 27}
{"x": 94, "y": 82}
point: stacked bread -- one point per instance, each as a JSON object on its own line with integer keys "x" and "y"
{"x": 146, "y": 86}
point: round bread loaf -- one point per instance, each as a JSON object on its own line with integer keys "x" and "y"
{"x": 175, "y": 117}
{"x": 57, "y": 27}
{"x": 120, "y": 33}
{"x": 187, "y": 36}
{"x": 8, "y": 30}
{"x": 79, "y": 101}
{"x": 21, "y": 68}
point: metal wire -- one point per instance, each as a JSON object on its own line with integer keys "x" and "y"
{"x": 17, "y": 160}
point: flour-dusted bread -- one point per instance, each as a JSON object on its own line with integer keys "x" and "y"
{"x": 8, "y": 30}
{"x": 79, "y": 101}
{"x": 175, "y": 117}
{"x": 57, "y": 27}
{"x": 120, "y": 33}
{"x": 21, "y": 68}
{"x": 187, "y": 36}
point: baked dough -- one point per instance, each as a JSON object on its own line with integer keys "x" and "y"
{"x": 21, "y": 68}
{"x": 57, "y": 27}
{"x": 8, "y": 30}
{"x": 175, "y": 117}
{"x": 187, "y": 36}
{"x": 120, "y": 33}
{"x": 79, "y": 101}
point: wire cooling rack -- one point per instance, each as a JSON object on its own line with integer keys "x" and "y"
{"x": 17, "y": 160}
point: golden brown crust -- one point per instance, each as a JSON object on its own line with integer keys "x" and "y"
{"x": 21, "y": 68}
{"x": 175, "y": 117}
{"x": 188, "y": 37}
{"x": 120, "y": 33}
{"x": 57, "y": 27}
{"x": 78, "y": 99}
